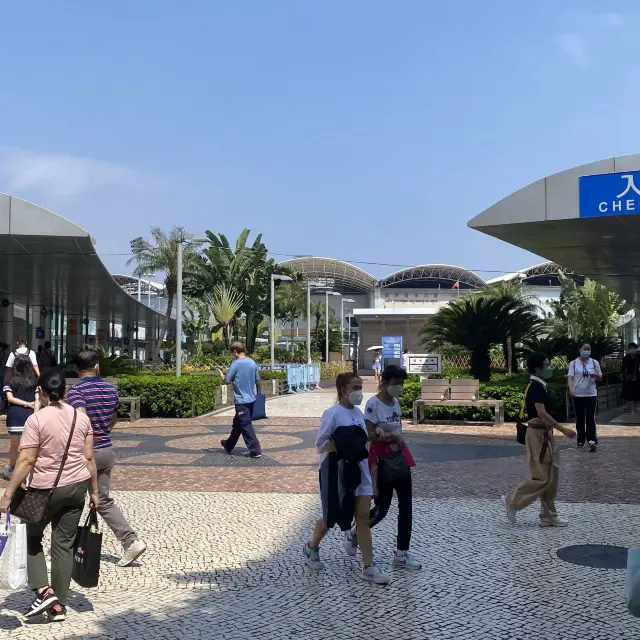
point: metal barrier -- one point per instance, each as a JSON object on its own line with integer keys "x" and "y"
{"x": 303, "y": 377}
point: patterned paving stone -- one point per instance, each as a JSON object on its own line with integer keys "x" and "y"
{"x": 228, "y": 566}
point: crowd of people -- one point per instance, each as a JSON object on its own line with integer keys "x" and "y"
{"x": 61, "y": 442}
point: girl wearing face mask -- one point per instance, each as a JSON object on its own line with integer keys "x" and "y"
{"x": 383, "y": 420}
{"x": 339, "y": 424}
{"x": 542, "y": 452}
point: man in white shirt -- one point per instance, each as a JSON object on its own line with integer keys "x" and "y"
{"x": 22, "y": 350}
{"x": 405, "y": 360}
{"x": 584, "y": 373}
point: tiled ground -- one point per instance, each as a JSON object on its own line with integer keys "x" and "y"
{"x": 225, "y": 534}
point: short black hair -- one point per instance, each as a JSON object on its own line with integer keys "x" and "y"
{"x": 394, "y": 372}
{"x": 22, "y": 339}
{"x": 47, "y": 344}
{"x": 632, "y": 345}
{"x": 236, "y": 346}
{"x": 52, "y": 381}
{"x": 583, "y": 342}
{"x": 536, "y": 361}
{"x": 86, "y": 359}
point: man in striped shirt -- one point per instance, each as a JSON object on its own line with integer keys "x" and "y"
{"x": 99, "y": 400}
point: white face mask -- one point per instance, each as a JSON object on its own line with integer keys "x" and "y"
{"x": 355, "y": 398}
{"x": 395, "y": 390}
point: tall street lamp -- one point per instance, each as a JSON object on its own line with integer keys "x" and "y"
{"x": 193, "y": 239}
{"x": 274, "y": 277}
{"x": 326, "y": 323}
{"x": 342, "y": 301}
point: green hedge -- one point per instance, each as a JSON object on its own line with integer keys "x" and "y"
{"x": 509, "y": 388}
{"x": 170, "y": 397}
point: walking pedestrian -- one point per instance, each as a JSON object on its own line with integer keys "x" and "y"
{"x": 583, "y": 374}
{"x": 21, "y": 351}
{"x": 21, "y": 390}
{"x": 44, "y": 440}
{"x": 390, "y": 462}
{"x": 99, "y": 400}
{"x": 46, "y": 357}
{"x": 542, "y": 452}
{"x": 345, "y": 479}
{"x": 244, "y": 375}
{"x": 630, "y": 376}
{"x": 405, "y": 360}
{"x": 377, "y": 366}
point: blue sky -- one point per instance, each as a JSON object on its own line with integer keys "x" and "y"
{"x": 363, "y": 130}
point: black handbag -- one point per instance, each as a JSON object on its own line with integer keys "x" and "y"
{"x": 87, "y": 550}
{"x": 521, "y": 425}
{"x": 393, "y": 467}
{"x": 29, "y": 504}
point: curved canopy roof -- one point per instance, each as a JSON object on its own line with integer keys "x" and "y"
{"x": 543, "y": 274}
{"x": 429, "y": 276}
{"x": 575, "y": 219}
{"x": 130, "y": 285}
{"x": 331, "y": 274}
{"x": 47, "y": 260}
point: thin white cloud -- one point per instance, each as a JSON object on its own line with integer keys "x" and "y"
{"x": 576, "y": 47}
{"x": 606, "y": 20}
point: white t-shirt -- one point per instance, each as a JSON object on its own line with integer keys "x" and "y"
{"x": 405, "y": 360}
{"x": 584, "y": 386}
{"x": 339, "y": 416}
{"x": 383, "y": 416}
{"x": 22, "y": 351}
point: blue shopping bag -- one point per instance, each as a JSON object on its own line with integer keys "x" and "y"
{"x": 633, "y": 582}
{"x": 259, "y": 410}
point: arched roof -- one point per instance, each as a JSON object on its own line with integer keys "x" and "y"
{"x": 130, "y": 285}
{"x": 431, "y": 275}
{"x": 50, "y": 262}
{"x": 543, "y": 274}
{"x": 331, "y": 274}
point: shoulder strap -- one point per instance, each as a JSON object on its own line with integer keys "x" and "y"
{"x": 66, "y": 451}
{"x": 524, "y": 401}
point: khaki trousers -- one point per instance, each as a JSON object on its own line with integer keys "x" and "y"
{"x": 543, "y": 484}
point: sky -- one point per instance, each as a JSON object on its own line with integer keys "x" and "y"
{"x": 364, "y": 130}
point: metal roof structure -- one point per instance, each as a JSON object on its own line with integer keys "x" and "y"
{"x": 543, "y": 274}
{"x": 333, "y": 275}
{"x": 130, "y": 285}
{"x": 431, "y": 276}
{"x": 47, "y": 260}
{"x": 585, "y": 219}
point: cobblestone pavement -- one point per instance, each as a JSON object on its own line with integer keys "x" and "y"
{"x": 225, "y": 534}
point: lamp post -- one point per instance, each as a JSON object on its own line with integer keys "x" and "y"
{"x": 194, "y": 239}
{"x": 326, "y": 323}
{"x": 272, "y": 331}
{"x": 308, "y": 321}
{"x": 342, "y": 301}
{"x": 349, "y": 316}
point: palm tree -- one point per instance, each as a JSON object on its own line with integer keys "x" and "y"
{"x": 477, "y": 323}
{"x": 290, "y": 303}
{"x": 225, "y": 303}
{"x": 162, "y": 255}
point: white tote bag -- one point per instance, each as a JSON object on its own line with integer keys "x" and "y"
{"x": 13, "y": 559}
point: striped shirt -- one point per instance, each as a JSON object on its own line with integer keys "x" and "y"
{"x": 100, "y": 400}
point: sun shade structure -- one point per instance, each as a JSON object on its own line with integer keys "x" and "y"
{"x": 332, "y": 275}
{"x": 586, "y": 219}
{"x": 543, "y": 274}
{"x": 432, "y": 276}
{"x": 48, "y": 261}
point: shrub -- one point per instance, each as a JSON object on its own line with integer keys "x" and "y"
{"x": 331, "y": 370}
{"x": 267, "y": 374}
{"x": 170, "y": 397}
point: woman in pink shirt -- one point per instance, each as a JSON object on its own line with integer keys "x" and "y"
{"x": 42, "y": 447}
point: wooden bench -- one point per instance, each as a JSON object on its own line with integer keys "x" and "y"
{"x": 133, "y": 401}
{"x": 457, "y": 393}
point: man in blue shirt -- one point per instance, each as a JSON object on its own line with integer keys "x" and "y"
{"x": 244, "y": 375}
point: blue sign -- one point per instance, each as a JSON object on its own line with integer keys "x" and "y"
{"x": 610, "y": 194}
{"x": 39, "y": 333}
{"x": 391, "y": 347}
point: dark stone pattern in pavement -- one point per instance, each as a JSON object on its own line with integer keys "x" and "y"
{"x": 597, "y": 556}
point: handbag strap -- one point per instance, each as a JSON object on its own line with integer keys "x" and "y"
{"x": 524, "y": 402}
{"x": 66, "y": 450}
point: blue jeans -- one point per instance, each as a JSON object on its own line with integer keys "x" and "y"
{"x": 242, "y": 425}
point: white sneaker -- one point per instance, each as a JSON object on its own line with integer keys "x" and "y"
{"x": 553, "y": 522}
{"x": 593, "y": 446}
{"x": 375, "y": 575}
{"x": 350, "y": 543}
{"x": 311, "y": 557}
{"x": 510, "y": 511}
{"x": 405, "y": 560}
{"x": 135, "y": 550}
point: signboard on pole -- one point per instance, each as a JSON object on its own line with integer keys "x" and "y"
{"x": 425, "y": 364}
{"x": 39, "y": 333}
{"x": 391, "y": 348}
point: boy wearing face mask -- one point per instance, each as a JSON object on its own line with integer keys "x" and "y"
{"x": 383, "y": 419}
{"x": 542, "y": 452}
{"x": 583, "y": 374}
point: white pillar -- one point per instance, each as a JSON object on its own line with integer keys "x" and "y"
{"x": 6, "y": 324}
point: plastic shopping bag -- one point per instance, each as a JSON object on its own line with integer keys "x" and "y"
{"x": 633, "y": 582}
{"x": 13, "y": 559}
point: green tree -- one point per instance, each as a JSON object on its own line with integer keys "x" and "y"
{"x": 478, "y": 323}
{"x": 225, "y": 303}
{"x": 162, "y": 255}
